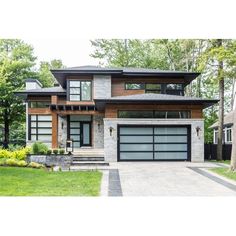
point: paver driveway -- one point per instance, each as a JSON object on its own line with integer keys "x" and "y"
{"x": 167, "y": 179}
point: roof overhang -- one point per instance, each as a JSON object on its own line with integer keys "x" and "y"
{"x": 61, "y": 74}
{"x": 101, "y": 103}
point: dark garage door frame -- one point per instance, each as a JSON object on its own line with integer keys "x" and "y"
{"x": 119, "y": 126}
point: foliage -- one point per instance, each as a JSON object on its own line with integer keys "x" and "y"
{"x": 49, "y": 152}
{"x": 35, "y": 165}
{"x": 39, "y": 148}
{"x": 38, "y": 182}
{"x": 20, "y": 154}
{"x": 16, "y": 65}
{"x": 55, "y": 151}
{"x": 44, "y": 74}
{"x": 61, "y": 151}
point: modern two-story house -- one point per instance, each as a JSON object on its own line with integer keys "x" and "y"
{"x": 132, "y": 114}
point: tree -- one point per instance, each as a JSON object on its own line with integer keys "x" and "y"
{"x": 44, "y": 74}
{"x": 16, "y": 65}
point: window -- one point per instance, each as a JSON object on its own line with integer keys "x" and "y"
{"x": 39, "y": 104}
{"x": 153, "y": 88}
{"x": 227, "y": 135}
{"x": 80, "y": 90}
{"x": 40, "y": 127}
{"x": 155, "y": 114}
{"x": 174, "y": 89}
{"x": 134, "y": 86}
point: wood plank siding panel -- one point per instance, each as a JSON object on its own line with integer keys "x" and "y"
{"x": 112, "y": 109}
{"x": 54, "y": 130}
{"x": 118, "y": 85}
{"x": 54, "y": 99}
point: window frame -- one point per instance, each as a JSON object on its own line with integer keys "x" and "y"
{"x": 48, "y": 103}
{"x": 140, "y": 83}
{"x": 153, "y": 114}
{"x": 80, "y": 89}
{"x": 37, "y": 127}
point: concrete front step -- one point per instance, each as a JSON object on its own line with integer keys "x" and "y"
{"x": 88, "y": 158}
{"x": 89, "y": 163}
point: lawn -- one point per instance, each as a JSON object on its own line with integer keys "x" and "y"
{"x": 225, "y": 172}
{"x": 225, "y": 162}
{"x": 15, "y": 181}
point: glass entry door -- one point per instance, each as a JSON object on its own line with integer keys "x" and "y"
{"x": 85, "y": 128}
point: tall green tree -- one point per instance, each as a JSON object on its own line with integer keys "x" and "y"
{"x": 16, "y": 65}
{"x": 44, "y": 74}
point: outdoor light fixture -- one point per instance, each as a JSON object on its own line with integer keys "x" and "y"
{"x": 111, "y": 129}
{"x": 69, "y": 146}
{"x": 198, "y": 129}
{"x": 62, "y": 125}
{"x": 99, "y": 126}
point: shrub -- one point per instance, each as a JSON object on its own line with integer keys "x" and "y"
{"x": 3, "y": 161}
{"x": 35, "y": 165}
{"x": 55, "y": 151}
{"x": 61, "y": 151}
{"x": 11, "y": 162}
{"x": 49, "y": 152}
{"x": 21, "y": 154}
{"x": 22, "y": 163}
{"x": 5, "y": 154}
{"x": 39, "y": 148}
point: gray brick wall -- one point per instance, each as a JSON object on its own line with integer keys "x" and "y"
{"x": 197, "y": 142}
{"x": 102, "y": 86}
{"x": 98, "y": 131}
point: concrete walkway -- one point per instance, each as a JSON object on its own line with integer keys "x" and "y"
{"x": 168, "y": 179}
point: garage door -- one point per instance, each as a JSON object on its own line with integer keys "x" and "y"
{"x": 157, "y": 143}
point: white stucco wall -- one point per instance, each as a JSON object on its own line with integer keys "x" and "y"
{"x": 197, "y": 142}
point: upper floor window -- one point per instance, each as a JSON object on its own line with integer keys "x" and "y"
{"x": 134, "y": 86}
{"x": 80, "y": 90}
{"x": 173, "y": 89}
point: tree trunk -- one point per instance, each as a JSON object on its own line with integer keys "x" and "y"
{"x": 233, "y": 152}
{"x": 6, "y": 130}
{"x": 221, "y": 105}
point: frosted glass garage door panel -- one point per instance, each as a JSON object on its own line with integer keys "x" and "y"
{"x": 44, "y": 138}
{"x": 136, "y": 147}
{"x": 136, "y": 139}
{"x": 44, "y": 131}
{"x": 136, "y": 156}
{"x": 170, "y": 156}
{"x": 170, "y": 130}
{"x": 136, "y": 130}
{"x": 170, "y": 139}
{"x": 171, "y": 147}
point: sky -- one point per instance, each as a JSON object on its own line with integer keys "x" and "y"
{"x": 72, "y": 52}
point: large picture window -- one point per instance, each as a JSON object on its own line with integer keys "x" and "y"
{"x": 40, "y": 128}
{"x": 155, "y": 114}
{"x": 80, "y": 90}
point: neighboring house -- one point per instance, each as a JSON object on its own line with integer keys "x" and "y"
{"x": 227, "y": 131}
{"x": 133, "y": 114}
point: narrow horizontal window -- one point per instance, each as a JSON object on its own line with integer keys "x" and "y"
{"x": 145, "y": 114}
{"x": 134, "y": 86}
{"x": 39, "y": 104}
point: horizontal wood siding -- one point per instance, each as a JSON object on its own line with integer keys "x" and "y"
{"x": 112, "y": 109}
{"x": 118, "y": 85}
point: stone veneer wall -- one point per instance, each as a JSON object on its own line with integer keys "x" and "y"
{"x": 62, "y": 131}
{"x": 102, "y": 86}
{"x": 197, "y": 142}
{"x": 98, "y": 132}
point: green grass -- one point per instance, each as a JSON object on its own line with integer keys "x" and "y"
{"x": 225, "y": 172}
{"x": 15, "y": 181}
{"x": 225, "y": 162}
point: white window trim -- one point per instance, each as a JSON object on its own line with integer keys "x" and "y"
{"x": 225, "y": 133}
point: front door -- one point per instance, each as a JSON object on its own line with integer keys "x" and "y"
{"x": 85, "y": 132}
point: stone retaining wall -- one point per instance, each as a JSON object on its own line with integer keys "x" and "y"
{"x": 51, "y": 160}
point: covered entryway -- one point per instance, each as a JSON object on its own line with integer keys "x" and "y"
{"x": 153, "y": 143}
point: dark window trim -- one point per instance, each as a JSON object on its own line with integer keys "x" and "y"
{"x": 80, "y": 88}
{"x": 153, "y": 113}
{"x": 153, "y": 128}
{"x": 37, "y": 134}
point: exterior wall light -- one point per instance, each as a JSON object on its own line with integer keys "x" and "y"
{"x": 111, "y": 130}
{"x": 198, "y": 129}
{"x": 99, "y": 127}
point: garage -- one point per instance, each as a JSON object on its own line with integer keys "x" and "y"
{"x": 154, "y": 143}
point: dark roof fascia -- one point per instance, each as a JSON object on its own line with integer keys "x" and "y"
{"x": 205, "y": 103}
{"x": 39, "y": 93}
